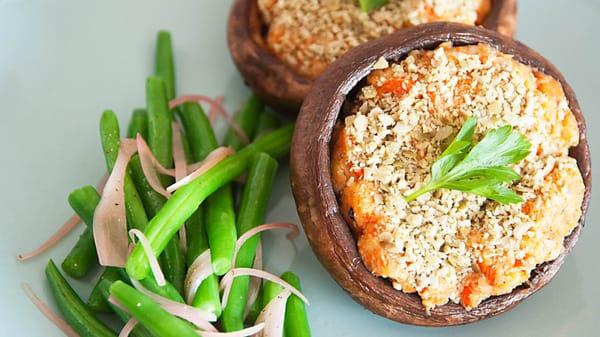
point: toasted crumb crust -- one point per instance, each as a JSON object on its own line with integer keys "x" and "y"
{"x": 450, "y": 245}
{"x": 309, "y": 34}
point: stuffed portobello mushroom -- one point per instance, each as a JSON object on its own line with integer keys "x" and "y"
{"x": 281, "y": 46}
{"x": 450, "y": 173}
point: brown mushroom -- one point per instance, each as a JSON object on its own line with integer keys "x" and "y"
{"x": 279, "y": 85}
{"x": 328, "y": 233}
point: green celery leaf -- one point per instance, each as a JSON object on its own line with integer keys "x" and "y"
{"x": 499, "y": 147}
{"x": 369, "y": 5}
{"x": 481, "y": 169}
{"x": 499, "y": 193}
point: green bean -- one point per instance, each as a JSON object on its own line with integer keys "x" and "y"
{"x": 110, "y": 139}
{"x": 82, "y": 256}
{"x": 165, "y": 66}
{"x": 220, "y": 227}
{"x": 138, "y": 124}
{"x": 109, "y": 136}
{"x": 158, "y": 321}
{"x": 202, "y": 140}
{"x": 255, "y": 308}
{"x": 197, "y": 242}
{"x": 187, "y": 150}
{"x": 96, "y": 301}
{"x": 159, "y": 121}
{"x": 198, "y": 130}
{"x": 219, "y": 209}
{"x": 267, "y": 121}
{"x": 296, "y": 321}
{"x": 172, "y": 263}
{"x": 79, "y": 317}
{"x": 247, "y": 119}
{"x": 255, "y": 198}
{"x": 186, "y": 200}
{"x": 104, "y": 291}
{"x": 84, "y": 201}
{"x": 153, "y": 202}
{"x": 270, "y": 291}
{"x": 168, "y": 290}
{"x": 160, "y": 142}
{"x": 207, "y": 295}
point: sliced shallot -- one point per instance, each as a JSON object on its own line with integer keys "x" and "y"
{"x": 250, "y": 331}
{"x": 178, "y": 153}
{"x": 198, "y": 317}
{"x": 211, "y": 160}
{"x": 216, "y": 104}
{"x": 150, "y": 166}
{"x": 227, "y": 280}
{"x": 110, "y": 223}
{"x": 154, "y": 266}
{"x": 65, "y": 229}
{"x": 46, "y": 311}
{"x": 60, "y": 234}
{"x": 273, "y": 315}
{"x": 198, "y": 271}
{"x": 250, "y": 233}
{"x": 181, "y": 170}
{"x": 128, "y": 328}
{"x": 216, "y": 107}
{"x": 255, "y": 283}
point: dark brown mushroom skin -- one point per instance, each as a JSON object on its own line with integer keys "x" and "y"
{"x": 330, "y": 236}
{"x": 279, "y": 85}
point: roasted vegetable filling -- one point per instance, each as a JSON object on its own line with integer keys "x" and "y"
{"x": 309, "y": 34}
{"x": 449, "y": 245}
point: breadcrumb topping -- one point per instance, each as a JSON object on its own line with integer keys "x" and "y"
{"x": 450, "y": 245}
{"x": 310, "y": 34}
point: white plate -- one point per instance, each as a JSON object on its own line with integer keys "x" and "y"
{"x": 63, "y": 62}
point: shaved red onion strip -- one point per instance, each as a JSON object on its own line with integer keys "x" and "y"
{"x": 60, "y": 234}
{"x": 181, "y": 170}
{"x": 154, "y": 266}
{"x": 128, "y": 328}
{"x": 215, "y": 112}
{"x": 198, "y": 317}
{"x": 216, "y": 108}
{"x": 110, "y": 223}
{"x": 273, "y": 315}
{"x": 150, "y": 165}
{"x": 46, "y": 311}
{"x": 211, "y": 160}
{"x": 102, "y": 183}
{"x": 255, "y": 283}
{"x": 250, "y": 331}
{"x": 178, "y": 153}
{"x": 65, "y": 229}
{"x": 227, "y": 280}
{"x": 216, "y": 104}
{"x": 250, "y": 233}
{"x": 198, "y": 271}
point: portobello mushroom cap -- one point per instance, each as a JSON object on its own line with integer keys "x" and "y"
{"x": 330, "y": 236}
{"x": 278, "y": 84}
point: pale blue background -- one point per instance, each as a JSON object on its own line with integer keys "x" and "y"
{"x": 63, "y": 62}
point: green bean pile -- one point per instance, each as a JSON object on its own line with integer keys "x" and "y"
{"x": 214, "y": 209}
